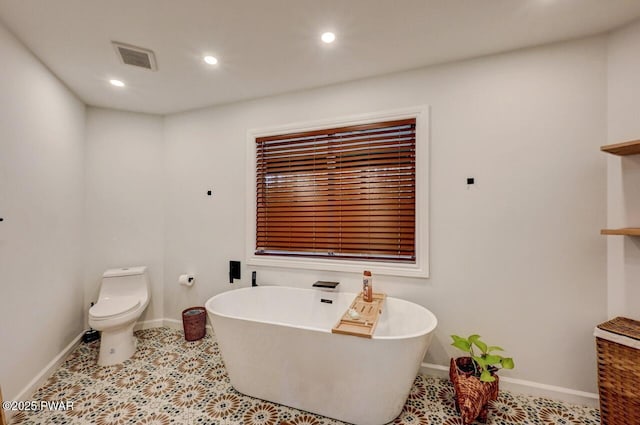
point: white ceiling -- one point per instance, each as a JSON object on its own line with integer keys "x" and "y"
{"x": 267, "y": 47}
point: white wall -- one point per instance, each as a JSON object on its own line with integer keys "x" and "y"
{"x": 124, "y": 199}
{"x": 516, "y": 258}
{"x": 41, "y": 191}
{"x": 623, "y": 173}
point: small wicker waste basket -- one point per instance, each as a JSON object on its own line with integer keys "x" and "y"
{"x": 618, "y": 345}
{"x": 194, "y": 320}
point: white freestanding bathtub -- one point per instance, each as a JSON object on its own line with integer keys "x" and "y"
{"x": 277, "y": 345}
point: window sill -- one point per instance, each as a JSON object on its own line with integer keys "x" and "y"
{"x": 387, "y": 269}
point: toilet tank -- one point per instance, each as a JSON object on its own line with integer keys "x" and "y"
{"x": 125, "y": 281}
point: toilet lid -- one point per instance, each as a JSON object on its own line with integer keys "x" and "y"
{"x": 113, "y": 306}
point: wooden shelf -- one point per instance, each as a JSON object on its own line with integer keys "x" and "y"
{"x": 627, "y": 231}
{"x": 623, "y": 149}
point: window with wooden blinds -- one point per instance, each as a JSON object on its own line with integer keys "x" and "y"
{"x": 346, "y": 192}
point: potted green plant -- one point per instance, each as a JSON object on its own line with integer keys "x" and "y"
{"x": 474, "y": 376}
{"x": 487, "y": 363}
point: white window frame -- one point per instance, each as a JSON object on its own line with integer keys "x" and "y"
{"x": 418, "y": 269}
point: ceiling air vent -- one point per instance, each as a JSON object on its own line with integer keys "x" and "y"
{"x": 136, "y": 56}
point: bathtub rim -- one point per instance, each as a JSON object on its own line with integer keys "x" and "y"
{"x": 428, "y": 330}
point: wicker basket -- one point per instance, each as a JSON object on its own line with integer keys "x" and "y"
{"x": 194, "y": 320}
{"x": 472, "y": 396}
{"x": 618, "y": 344}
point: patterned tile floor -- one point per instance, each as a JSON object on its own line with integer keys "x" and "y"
{"x": 172, "y": 381}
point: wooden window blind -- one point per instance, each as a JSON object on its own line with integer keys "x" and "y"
{"x": 346, "y": 192}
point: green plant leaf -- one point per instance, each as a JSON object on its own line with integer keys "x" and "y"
{"x": 481, "y": 345}
{"x": 480, "y": 361}
{"x": 457, "y": 338}
{"x": 492, "y": 359}
{"x": 507, "y": 363}
{"x": 486, "y": 376}
{"x": 463, "y": 345}
{"x": 494, "y": 348}
{"x": 473, "y": 338}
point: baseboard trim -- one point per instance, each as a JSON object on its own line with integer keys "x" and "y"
{"x": 166, "y": 323}
{"x": 523, "y": 386}
{"x": 149, "y": 324}
{"x": 177, "y": 324}
{"x": 44, "y": 374}
{"x": 173, "y": 324}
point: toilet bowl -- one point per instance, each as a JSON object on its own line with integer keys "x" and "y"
{"x": 124, "y": 295}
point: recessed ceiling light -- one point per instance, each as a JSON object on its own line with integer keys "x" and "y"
{"x": 210, "y": 60}
{"x": 116, "y": 83}
{"x": 328, "y": 37}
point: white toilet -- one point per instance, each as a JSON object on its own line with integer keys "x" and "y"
{"x": 124, "y": 294}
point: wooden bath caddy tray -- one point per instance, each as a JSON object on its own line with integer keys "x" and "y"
{"x": 365, "y": 325}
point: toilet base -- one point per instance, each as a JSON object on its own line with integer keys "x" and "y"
{"x": 117, "y": 345}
